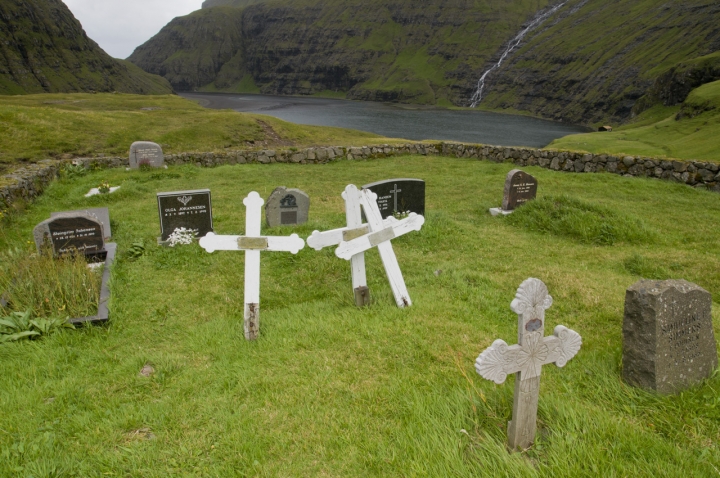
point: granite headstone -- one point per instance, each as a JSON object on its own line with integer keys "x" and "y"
{"x": 100, "y": 213}
{"x": 287, "y": 206}
{"x": 67, "y": 233}
{"x": 400, "y": 195}
{"x": 668, "y": 339}
{"x": 146, "y": 153}
{"x": 188, "y": 209}
{"x": 520, "y": 187}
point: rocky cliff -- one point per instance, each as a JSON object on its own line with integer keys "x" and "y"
{"x": 591, "y": 61}
{"x": 43, "y": 48}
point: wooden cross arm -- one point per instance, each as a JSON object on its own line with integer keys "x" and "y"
{"x": 347, "y": 249}
{"x": 500, "y": 359}
{"x": 213, "y": 242}
{"x": 333, "y": 237}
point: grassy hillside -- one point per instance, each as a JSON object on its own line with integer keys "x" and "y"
{"x": 330, "y": 390}
{"x": 43, "y": 48}
{"x": 689, "y": 131}
{"x": 431, "y": 52}
{"x": 594, "y": 59}
{"x": 35, "y": 127}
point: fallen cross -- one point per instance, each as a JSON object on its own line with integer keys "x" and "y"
{"x": 357, "y": 238}
{"x": 527, "y": 358}
{"x": 252, "y": 243}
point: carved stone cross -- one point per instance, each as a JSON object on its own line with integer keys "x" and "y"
{"x": 527, "y": 358}
{"x": 357, "y": 238}
{"x": 252, "y": 243}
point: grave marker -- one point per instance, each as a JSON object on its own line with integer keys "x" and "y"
{"x": 287, "y": 206}
{"x": 520, "y": 187}
{"x": 188, "y": 209}
{"x": 527, "y": 358}
{"x": 252, "y": 243}
{"x": 146, "y": 153}
{"x": 100, "y": 213}
{"x": 71, "y": 232}
{"x": 668, "y": 339}
{"x": 400, "y": 195}
{"x": 355, "y": 239}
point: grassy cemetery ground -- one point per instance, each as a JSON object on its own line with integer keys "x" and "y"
{"x": 332, "y": 390}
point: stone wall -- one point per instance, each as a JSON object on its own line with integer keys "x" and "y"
{"x": 28, "y": 182}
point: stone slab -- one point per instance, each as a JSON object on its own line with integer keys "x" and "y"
{"x": 100, "y": 213}
{"x": 287, "y": 206}
{"x": 401, "y": 195}
{"x": 146, "y": 153}
{"x": 668, "y": 339}
{"x": 520, "y": 187}
{"x": 67, "y": 232}
{"x": 189, "y": 209}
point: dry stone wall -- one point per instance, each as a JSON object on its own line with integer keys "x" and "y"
{"x": 28, "y": 182}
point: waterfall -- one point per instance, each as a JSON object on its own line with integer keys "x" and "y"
{"x": 540, "y": 18}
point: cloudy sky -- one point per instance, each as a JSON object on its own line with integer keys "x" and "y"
{"x": 119, "y": 26}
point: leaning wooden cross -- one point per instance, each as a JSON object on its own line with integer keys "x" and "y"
{"x": 357, "y": 238}
{"x": 252, "y": 243}
{"x": 527, "y": 358}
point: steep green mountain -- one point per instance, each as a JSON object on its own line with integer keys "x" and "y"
{"x": 43, "y": 48}
{"x": 595, "y": 59}
{"x": 591, "y": 61}
{"x": 394, "y": 50}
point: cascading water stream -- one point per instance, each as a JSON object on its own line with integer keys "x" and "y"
{"x": 477, "y": 96}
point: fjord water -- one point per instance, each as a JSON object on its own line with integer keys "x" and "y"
{"x": 397, "y": 121}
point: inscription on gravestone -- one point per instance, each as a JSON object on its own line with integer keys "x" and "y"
{"x": 520, "y": 188}
{"x": 67, "y": 233}
{"x": 100, "y": 213}
{"x": 146, "y": 153}
{"x": 287, "y": 206}
{"x": 400, "y": 195}
{"x": 188, "y": 209}
{"x": 668, "y": 339}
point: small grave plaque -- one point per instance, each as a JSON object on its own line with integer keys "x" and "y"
{"x": 668, "y": 339}
{"x": 399, "y": 195}
{"x": 68, "y": 232}
{"x": 188, "y": 209}
{"x": 146, "y": 153}
{"x": 287, "y": 206}
{"x": 520, "y": 188}
{"x": 100, "y": 213}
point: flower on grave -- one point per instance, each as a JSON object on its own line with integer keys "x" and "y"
{"x": 182, "y": 235}
{"x": 144, "y": 164}
{"x": 104, "y": 187}
{"x": 401, "y": 214}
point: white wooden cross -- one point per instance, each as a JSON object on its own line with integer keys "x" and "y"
{"x": 527, "y": 358}
{"x": 252, "y": 243}
{"x": 355, "y": 239}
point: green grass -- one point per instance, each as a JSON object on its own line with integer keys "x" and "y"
{"x": 332, "y": 390}
{"x": 690, "y": 131}
{"x": 35, "y": 127}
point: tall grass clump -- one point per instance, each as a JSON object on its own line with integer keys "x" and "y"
{"x": 584, "y": 222}
{"x": 48, "y": 286}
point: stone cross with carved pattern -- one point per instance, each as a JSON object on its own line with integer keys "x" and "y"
{"x": 252, "y": 243}
{"x": 527, "y": 358}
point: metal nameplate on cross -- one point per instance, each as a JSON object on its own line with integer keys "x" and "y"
{"x": 527, "y": 358}
{"x": 357, "y": 238}
{"x": 252, "y": 243}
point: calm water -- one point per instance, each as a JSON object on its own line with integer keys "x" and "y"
{"x": 397, "y": 121}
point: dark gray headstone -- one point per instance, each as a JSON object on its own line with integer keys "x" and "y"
{"x": 287, "y": 206}
{"x": 67, "y": 233}
{"x": 100, "y": 213}
{"x": 188, "y": 209}
{"x": 400, "y": 195}
{"x": 668, "y": 339}
{"x": 146, "y": 153}
{"x": 520, "y": 188}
